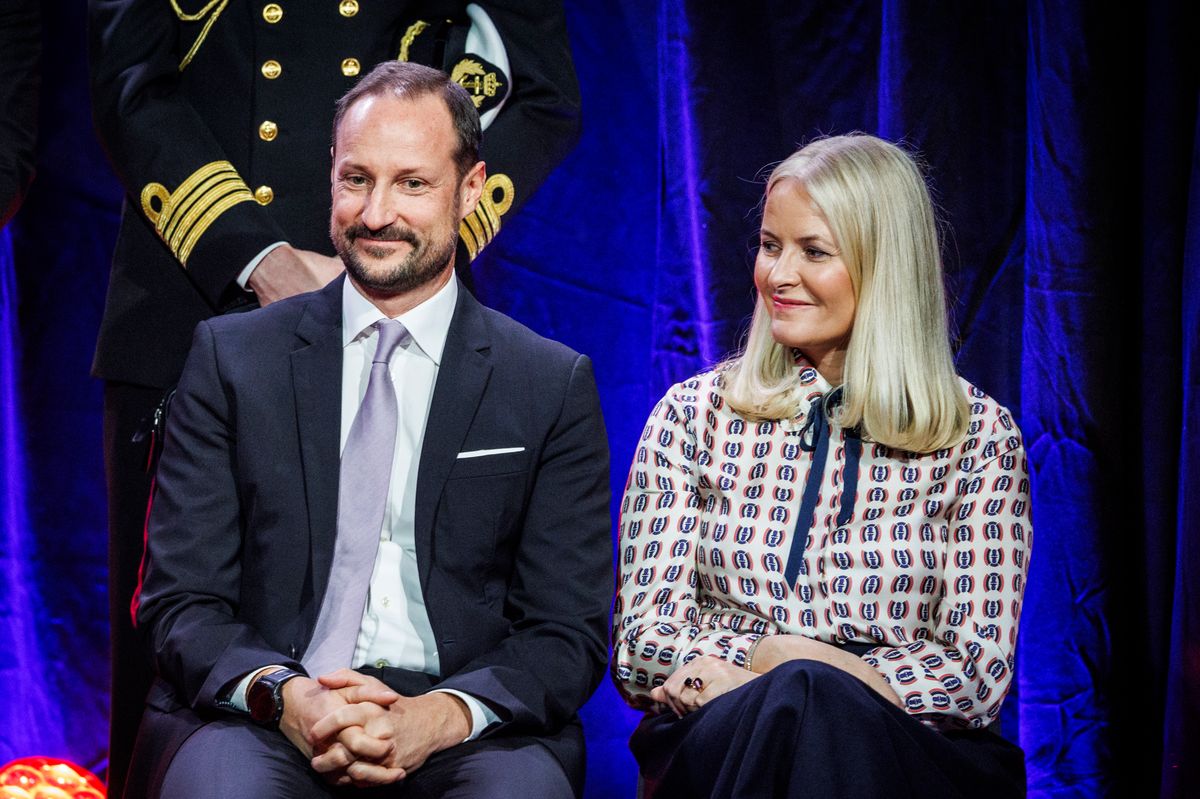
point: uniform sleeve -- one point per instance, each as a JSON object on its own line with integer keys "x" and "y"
{"x": 960, "y": 678}
{"x": 658, "y": 621}
{"x": 539, "y": 121}
{"x": 175, "y": 174}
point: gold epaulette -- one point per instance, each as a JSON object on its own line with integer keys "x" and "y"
{"x": 182, "y": 216}
{"x": 482, "y": 225}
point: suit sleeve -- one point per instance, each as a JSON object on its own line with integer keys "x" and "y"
{"x": 560, "y": 589}
{"x": 191, "y": 585}
{"x": 175, "y": 174}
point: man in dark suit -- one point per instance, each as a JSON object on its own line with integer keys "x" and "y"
{"x": 215, "y": 116}
{"x": 481, "y": 621}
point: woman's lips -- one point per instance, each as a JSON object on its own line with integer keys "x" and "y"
{"x": 784, "y": 302}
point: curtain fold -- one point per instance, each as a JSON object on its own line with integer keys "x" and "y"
{"x": 1181, "y": 737}
{"x": 30, "y": 716}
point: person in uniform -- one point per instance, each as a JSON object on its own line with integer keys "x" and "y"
{"x": 216, "y": 117}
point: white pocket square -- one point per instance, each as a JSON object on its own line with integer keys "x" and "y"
{"x": 479, "y": 453}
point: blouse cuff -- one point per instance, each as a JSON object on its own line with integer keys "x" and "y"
{"x": 728, "y": 646}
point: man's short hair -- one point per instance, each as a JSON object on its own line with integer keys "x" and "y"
{"x": 407, "y": 81}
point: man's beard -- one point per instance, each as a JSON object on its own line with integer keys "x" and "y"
{"x": 422, "y": 264}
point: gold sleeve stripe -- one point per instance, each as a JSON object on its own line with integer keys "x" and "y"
{"x": 222, "y": 205}
{"x": 181, "y": 209}
{"x": 482, "y": 224}
{"x": 414, "y": 30}
{"x": 201, "y": 210}
{"x": 468, "y": 237}
{"x": 181, "y": 217}
{"x": 471, "y": 226}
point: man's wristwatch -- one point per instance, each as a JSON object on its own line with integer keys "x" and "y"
{"x": 264, "y": 697}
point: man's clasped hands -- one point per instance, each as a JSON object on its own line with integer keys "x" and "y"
{"x": 357, "y": 731}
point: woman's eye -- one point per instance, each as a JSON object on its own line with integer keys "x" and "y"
{"x": 815, "y": 254}
{"x": 769, "y": 247}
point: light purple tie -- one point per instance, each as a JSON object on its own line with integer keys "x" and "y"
{"x": 365, "y": 475}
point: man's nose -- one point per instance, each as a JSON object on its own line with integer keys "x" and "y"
{"x": 380, "y": 209}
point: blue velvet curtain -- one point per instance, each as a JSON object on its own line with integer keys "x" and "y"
{"x": 1063, "y": 145}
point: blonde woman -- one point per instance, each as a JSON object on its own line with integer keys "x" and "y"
{"x": 825, "y": 539}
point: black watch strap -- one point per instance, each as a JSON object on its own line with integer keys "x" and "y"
{"x": 264, "y": 697}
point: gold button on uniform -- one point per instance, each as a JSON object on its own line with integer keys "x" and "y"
{"x": 272, "y": 12}
{"x": 271, "y": 69}
{"x": 264, "y": 195}
{"x": 268, "y": 130}
{"x": 350, "y": 67}
{"x": 348, "y": 8}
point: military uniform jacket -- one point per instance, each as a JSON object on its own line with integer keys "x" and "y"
{"x": 217, "y": 118}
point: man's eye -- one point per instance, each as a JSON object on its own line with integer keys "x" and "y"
{"x": 413, "y": 184}
{"x": 354, "y": 180}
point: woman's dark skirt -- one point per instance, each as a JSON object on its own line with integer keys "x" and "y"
{"x": 809, "y": 729}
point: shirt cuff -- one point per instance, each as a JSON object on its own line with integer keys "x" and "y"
{"x": 729, "y": 646}
{"x": 238, "y": 697}
{"x": 482, "y": 716}
{"x": 243, "y": 278}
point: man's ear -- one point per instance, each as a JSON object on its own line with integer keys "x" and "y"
{"x": 471, "y": 188}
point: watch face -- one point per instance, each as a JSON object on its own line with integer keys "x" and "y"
{"x": 260, "y": 700}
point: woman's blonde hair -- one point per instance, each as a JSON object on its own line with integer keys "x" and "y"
{"x": 900, "y": 386}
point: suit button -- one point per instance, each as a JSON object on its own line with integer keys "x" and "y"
{"x": 348, "y": 8}
{"x": 272, "y": 12}
{"x": 271, "y": 69}
{"x": 268, "y": 130}
{"x": 264, "y": 195}
{"x": 350, "y": 67}
{"x": 381, "y": 663}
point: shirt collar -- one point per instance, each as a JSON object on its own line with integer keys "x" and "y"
{"x": 428, "y": 323}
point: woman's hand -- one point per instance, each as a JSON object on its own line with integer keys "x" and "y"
{"x": 699, "y": 682}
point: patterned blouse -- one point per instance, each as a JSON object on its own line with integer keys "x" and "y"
{"x": 923, "y": 556}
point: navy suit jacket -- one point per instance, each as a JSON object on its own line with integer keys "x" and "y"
{"x": 513, "y": 550}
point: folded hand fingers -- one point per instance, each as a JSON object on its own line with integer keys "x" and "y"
{"x": 365, "y": 774}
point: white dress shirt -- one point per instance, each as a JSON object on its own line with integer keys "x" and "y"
{"x": 395, "y": 627}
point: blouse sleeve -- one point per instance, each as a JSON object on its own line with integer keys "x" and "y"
{"x": 960, "y": 677}
{"x": 657, "y": 622}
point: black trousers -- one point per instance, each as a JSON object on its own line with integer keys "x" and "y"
{"x": 128, "y": 483}
{"x": 809, "y": 729}
{"x": 232, "y": 759}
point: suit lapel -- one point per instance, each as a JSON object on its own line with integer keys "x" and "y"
{"x": 317, "y": 384}
{"x": 461, "y": 380}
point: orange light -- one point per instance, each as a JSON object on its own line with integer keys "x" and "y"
{"x": 48, "y": 778}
